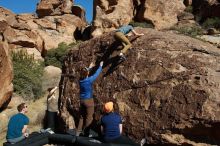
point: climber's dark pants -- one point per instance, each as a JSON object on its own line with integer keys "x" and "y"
{"x": 86, "y": 114}
{"x": 51, "y": 120}
{"x": 124, "y": 40}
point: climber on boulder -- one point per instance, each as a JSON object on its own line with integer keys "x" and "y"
{"x": 120, "y": 35}
{"x": 86, "y": 98}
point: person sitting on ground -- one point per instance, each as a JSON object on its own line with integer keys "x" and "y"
{"x": 111, "y": 126}
{"x": 86, "y": 98}
{"x": 17, "y": 126}
{"x": 120, "y": 35}
{"x": 52, "y": 108}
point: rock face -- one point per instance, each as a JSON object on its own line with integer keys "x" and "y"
{"x": 161, "y": 13}
{"x": 187, "y": 2}
{"x": 6, "y": 86}
{"x": 37, "y": 35}
{"x": 169, "y": 84}
{"x": 107, "y": 12}
{"x": 54, "y": 7}
{"x": 206, "y": 8}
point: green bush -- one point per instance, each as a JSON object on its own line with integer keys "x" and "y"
{"x": 141, "y": 24}
{"x": 212, "y": 23}
{"x": 189, "y": 9}
{"x": 27, "y": 75}
{"x": 56, "y": 56}
{"x": 190, "y": 31}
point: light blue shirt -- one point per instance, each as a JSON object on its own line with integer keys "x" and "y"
{"x": 125, "y": 29}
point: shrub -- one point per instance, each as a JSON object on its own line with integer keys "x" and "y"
{"x": 56, "y": 56}
{"x": 212, "y": 22}
{"x": 27, "y": 75}
{"x": 192, "y": 31}
{"x": 189, "y": 9}
{"x": 141, "y": 24}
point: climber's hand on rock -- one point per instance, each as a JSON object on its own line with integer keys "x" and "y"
{"x": 101, "y": 63}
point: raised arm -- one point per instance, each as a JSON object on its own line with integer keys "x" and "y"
{"x": 96, "y": 74}
{"x": 52, "y": 91}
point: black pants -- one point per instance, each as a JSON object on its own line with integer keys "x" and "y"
{"x": 34, "y": 139}
{"x": 51, "y": 120}
{"x": 122, "y": 140}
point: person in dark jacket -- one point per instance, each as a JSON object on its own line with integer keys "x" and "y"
{"x": 86, "y": 98}
{"x": 121, "y": 34}
{"x": 111, "y": 127}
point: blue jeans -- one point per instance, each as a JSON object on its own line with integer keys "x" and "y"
{"x": 15, "y": 140}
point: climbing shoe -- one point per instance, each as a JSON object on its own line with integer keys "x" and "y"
{"x": 122, "y": 58}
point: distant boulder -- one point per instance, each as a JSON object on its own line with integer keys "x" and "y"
{"x": 54, "y": 7}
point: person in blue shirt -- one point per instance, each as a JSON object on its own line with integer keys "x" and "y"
{"x": 86, "y": 98}
{"x": 111, "y": 126}
{"x": 17, "y": 126}
{"x": 121, "y": 34}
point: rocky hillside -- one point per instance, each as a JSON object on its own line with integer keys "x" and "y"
{"x": 169, "y": 84}
{"x": 56, "y": 22}
{"x": 160, "y": 13}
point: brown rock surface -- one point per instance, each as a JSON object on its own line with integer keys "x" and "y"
{"x": 161, "y": 13}
{"x": 107, "y": 12}
{"x": 6, "y": 86}
{"x": 169, "y": 84}
{"x": 79, "y": 11}
{"x": 187, "y": 2}
{"x": 206, "y": 8}
{"x": 6, "y": 18}
{"x": 54, "y": 7}
{"x": 31, "y": 32}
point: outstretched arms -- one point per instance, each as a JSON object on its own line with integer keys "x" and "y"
{"x": 138, "y": 34}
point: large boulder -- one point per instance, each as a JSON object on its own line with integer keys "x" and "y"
{"x": 206, "y": 8}
{"x": 168, "y": 84}
{"x": 79, "y": 11}
{"x": 51, "y": 77}
{"x": 54, "y": 7}
{"x": 57, "y": 29}
{"x": 161, "y": 13}
{"x": 37, "y": 35}
{"x": 6, "y": 18}
{"x": 108, "y": 12}
{"x": 6, "y": 86}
